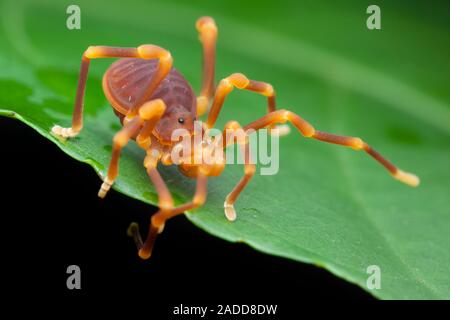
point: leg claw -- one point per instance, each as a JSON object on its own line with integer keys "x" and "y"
{"x": 230, "y": 212}
{"x": 106, "y": 185}
{"x": 64, "y": 132}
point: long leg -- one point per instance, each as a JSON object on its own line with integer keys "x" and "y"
{"x": 94, "y": 52}
{"x": 165, "y": 212}
{"x": 240, "y": 81}
{"x": 234, "y": 133}
{"x": 307, "y": 130}
{"x": 149, "y": 113}
{"x": 165, "y": 200}
{"x": 208, "y": 37}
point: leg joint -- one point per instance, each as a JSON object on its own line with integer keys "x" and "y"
{"x": 358, "y": 144}
{"x": 150, "y": 109}
{"x": 269, "y": 91}
{"x": 206, "y": 24}
{"x": 238, "y": 80}
{"x": 232, "y": 125}
{"x": 158, "y": 220}
{"x": 165, "y": 204}
{"x": 151, "y": 159}
{"x": 150, "y": 51}
{"x": 250, "y": 169}
{"x": 301, "y": 124}
{"x": 199, "y": 200}
{"x": 120, "y": 139}
{"x": 285, "y": 115}
{"x": 225, "y": 86}
{"x": 91, "y": 52}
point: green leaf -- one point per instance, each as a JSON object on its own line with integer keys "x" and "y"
{"x": 328, "y": 205}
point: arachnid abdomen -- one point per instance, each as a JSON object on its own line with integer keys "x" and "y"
{"x": 127, "y": 79}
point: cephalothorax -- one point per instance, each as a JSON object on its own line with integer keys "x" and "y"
{"x": 152, "y": 100}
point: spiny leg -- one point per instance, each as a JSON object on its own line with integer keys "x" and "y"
{"x": 208, "y": 37}
{"x": 234, "y": 133}
{"x": 94, "y": 52}
{"x": 158, "y": 220}
{"x": 240, "y": 81}
{"x": 307, "y": 130}
{"x": 150, "y": 112}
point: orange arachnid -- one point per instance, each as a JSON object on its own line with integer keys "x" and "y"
{"x": 152, "y": 99}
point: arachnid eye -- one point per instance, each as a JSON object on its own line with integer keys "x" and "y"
{"x": 180, "y": 120}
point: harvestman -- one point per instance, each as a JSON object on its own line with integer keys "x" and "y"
{"x": 152, "y": 99}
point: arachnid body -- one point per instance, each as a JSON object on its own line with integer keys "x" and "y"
{"x": 152, "y": 100}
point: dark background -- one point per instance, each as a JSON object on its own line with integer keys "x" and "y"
{"x": 52, "y": 218}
